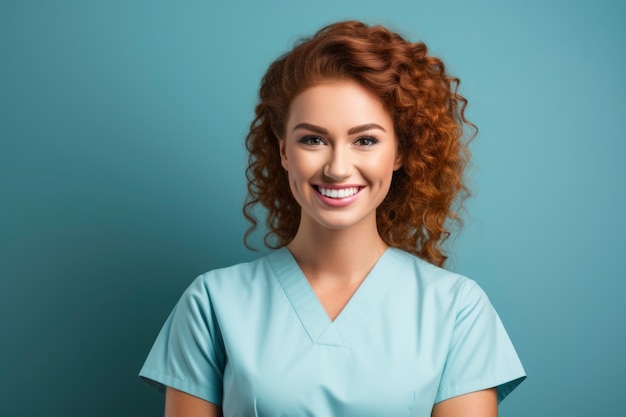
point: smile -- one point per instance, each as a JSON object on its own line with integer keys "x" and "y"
{"x": 337, "y": 192}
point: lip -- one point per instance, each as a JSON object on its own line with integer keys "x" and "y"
{"x": 338, "y": 202}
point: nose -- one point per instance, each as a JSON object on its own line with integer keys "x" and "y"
{"x": 339, "y": 165}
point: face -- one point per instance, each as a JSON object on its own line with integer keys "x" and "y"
{"x": 340, "y": 151}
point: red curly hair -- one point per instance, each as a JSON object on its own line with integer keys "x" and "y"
{"x": 428, "y": 114}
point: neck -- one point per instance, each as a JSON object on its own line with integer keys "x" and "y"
{"x": 339, "y": 255}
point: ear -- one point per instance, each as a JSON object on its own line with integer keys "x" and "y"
{"x": 397, "y": 164}
{"x": 283, "y": 154}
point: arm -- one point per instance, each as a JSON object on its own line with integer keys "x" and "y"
{"x": 475, "y": 404}
{"x": 181, "y": 404}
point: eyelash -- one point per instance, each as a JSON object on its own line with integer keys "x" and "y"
{"x": 371, "y": 140}
{"x": 306, "y": 140}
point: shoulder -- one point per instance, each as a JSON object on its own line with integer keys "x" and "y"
{"x": 430, "y": 276}
{"x": 238, "y": 275}
{"x": 437, "y": 286}
{"x": 240, "y": 282}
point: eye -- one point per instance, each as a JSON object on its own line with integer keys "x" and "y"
{"x": 366, "y": 141}
{"x": 311, "y": 141}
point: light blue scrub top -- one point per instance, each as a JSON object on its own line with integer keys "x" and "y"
{"x": 255, "y": 339}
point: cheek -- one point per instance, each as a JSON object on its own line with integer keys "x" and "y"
{"x": 302, "y": 166}
{"x": 297, "y": 174}
{"x": 382, "y": 167}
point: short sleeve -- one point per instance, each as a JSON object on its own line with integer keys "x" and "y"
{"x": 480, "y": 354}
{"x": 188, "y": 354}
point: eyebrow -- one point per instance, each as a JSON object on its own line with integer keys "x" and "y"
{"x": 351, "y": 131}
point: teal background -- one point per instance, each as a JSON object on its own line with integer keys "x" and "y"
{"x": 121, "y": 179}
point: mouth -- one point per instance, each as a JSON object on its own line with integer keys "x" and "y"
{"x": 337, "y": 193}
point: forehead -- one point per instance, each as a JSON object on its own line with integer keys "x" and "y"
{"x": 338, "y": 103}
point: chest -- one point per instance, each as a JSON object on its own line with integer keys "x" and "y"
{"x": 383, "y": 355}
{"x": 328, "y": 380}
{"x": 383, "y": 359}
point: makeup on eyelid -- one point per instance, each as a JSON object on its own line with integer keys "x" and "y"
{"x": 370, "y": 138}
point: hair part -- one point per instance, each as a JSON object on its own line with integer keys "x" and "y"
{"x": 427, "y": 192}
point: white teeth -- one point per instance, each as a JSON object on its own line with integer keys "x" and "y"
{"x": 341, "y": 193}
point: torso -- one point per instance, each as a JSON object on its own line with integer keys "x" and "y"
{"x": 363, "y": 353}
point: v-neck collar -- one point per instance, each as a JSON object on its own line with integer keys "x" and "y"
{"x": 318, "y": 325}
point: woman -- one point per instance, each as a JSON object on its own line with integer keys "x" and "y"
{"x": 357, "y": 153}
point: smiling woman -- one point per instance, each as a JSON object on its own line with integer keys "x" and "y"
{"x": 357, "y": 153}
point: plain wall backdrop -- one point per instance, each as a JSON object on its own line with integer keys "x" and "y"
{"x": 122, "y": 177}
